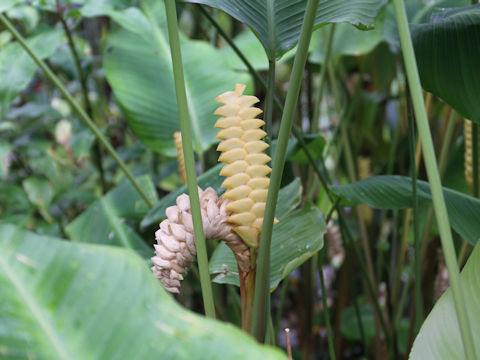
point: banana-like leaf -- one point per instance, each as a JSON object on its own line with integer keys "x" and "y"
{"x": 17, "y": 68}
{"x": 296, "y": 238}
{"x": 277, "y": 23}
{"x": 439, "y": 337}
{"x": 138, "y": 67}
{"x": 62, "y": 300}
{"x": 395, "y": 192}
{"x": 104, "y": 221}
{"x": 448, "y": 57}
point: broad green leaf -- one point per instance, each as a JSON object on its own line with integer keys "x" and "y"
{"x": 62, "y": 300}
{"x": 138, "y": 67}
{"x": 17, "y": 68}
{"x": 104, "y": 221}
{"x": 439, "y": 337}
{"x": 296, "y": 238}
{"x": 395, "y": 192}
{"x": 448, "y": 57}
{"x": 277, "y": 23}
{"x": 211, "y": 178}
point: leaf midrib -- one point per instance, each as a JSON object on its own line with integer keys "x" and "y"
{"x": 36, "y": 310}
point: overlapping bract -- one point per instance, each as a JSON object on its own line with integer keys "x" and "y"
{"x": 176, "y": 241}
{"x": 245, "y": 170}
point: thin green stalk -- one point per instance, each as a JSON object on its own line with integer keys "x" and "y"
{"x": 416, "y": 236}
{"x": 475, "y": 158}
{"x": 268, "y": 113}
{"x": 97, "y": 153}
{"x": 202, "y": 256}
{"x": 323, "y": 77}
{"x": 281, "y": 303}
{"x": 442, "y": 164}
{"x": 433, "y": 176}
{"x": 326, "y": 311}
{"x": 262, "y": 278}
{"x": 83, "y": 115}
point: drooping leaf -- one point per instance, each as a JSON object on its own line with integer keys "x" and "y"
{"x": 448, "y": 57}
{"x": 439, "y": 337}
{"x": 104, "y": 221}
{"x": 277, "y": 23}
{"x": 17, "y": 68}
{"x": 62, "y": 300}
{"x": 138, "y": 67}
{"x": 395, "y": 192}
{"x": 210, "y": 178}
{"x": 296, "y": 238}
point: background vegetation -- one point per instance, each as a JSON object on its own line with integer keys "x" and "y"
{"x": 88, "y": 108}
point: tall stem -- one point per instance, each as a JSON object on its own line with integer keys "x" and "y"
{"x": 416, "y": 235}
{"x": 83, "y": 115}
{"x": 181, "y": 95}
{"x": 323, "y": 77}
{"x": 475, "y": 158}
{"x": 326, "y": 312}
{"x": 97, "y": 152}
{"x": 433, "y": 176}
{"x": 262, "y": 288}
{"x": 268, "y": 113}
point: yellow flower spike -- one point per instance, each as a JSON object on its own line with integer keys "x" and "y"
{"x": 245, "y": 170}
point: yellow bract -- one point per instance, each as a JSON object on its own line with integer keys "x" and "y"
{"x": 246, "y": 170}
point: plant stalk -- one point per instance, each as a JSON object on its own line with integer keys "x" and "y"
{"x": 268, "y": 113}
{"x": 326, "y": 311}
{"x": 83, "y": 115}
{"x": 323, "y": 77}
{"x": 416, "y": 236}
{"x": 247, "y": 290}
{"x": 475, "y": 158}
{"x": 97, "y": 152}
{"x": 433, "y": 176}
{"x": 183, "y": 115}
{"x": 262, "y": 288}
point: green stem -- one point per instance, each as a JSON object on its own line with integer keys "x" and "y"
{"x": 326, "y": 311}
{"x": 442, "y": 163}
{"x": 475, "y": 158}
{"x": 281, "y": 303}
{"x": 433, "y": 176}
{"x": 83, "y": 115}
{"x": 416, "y": 236}
{"x": 202, "y": 257}
{"x": 97, "y": 153}
{"x": 323, "y": 77}
{"x": 268, "y": 113}
{"x": 262, "y": 279}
